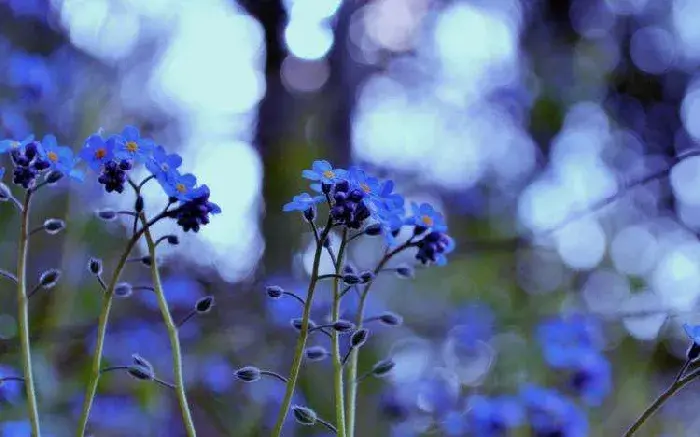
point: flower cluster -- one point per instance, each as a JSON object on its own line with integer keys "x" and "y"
{"x": 573, "y": 345}
{"x": 360, "y": 201}
{"x": 113, "y": 158}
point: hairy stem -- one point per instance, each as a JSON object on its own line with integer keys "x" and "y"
{"x": 23, "y": 317}
{"x": 303, "y": 335}
{"x": 658, "y": 403}
{"x": 179, "y": 381}
{"x": 96, "y": 366}
{"x": 335, "y": 341}
{"x": 351, "y": 402}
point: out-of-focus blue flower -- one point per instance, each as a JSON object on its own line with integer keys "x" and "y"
{"x": 60, "y": 158}
{"x": 180, "y": 289}
{"x": 591, "y": 377}
{"x": 162, "y": 165}
{"x": 194, "y": 213}
{"x": 472, "y": 323}
{"x": 2, "y": 172}
{"x": 31, "y": 76}
{"x": 10, "y": 390}
{"x": 425, "y": 216}
{"x": 494, "y": 417}
{"x": 13, "y": 122}
{"x": 563, "y": 340}
{"x": 324, "y": 172}
{"x": 439, "y": 392}
{"x": 551, "y": 414}
{"x": 133, "y": 146}
{"x": 97, "y": 152}
{"x": 302, "y": 202}
{"x": 454, "y": 424}
{"x": 216, "y": 374}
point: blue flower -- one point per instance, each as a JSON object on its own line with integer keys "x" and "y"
{"x": 434, "y": 248}
{"x": 693, "y": 332}
{"x": 60, "y": 158}
{"x": 163, "y": 165}
{"x": 495, "y": 416}
{"x": 564, "y": 340}
{"x": 2, "y": 172}
{"x": 302, "y": 202}
{"x": 391, "y": 201}
{"x": 97, "y": 152}
{"x": 8, "y": 145}
{"x": 179, "y": 186}
{"x": 324, "y": 172}
{"x": 359, "y": 179}
{"x": 133, "y": 146}
{"x": 549, "y": 413}
{"x": 425, "y": 216}
{"x": 194, "y": 213}
{"x": 591, "y": 377}
{"x": 11, "y": 390}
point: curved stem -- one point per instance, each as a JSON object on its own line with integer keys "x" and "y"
{"x": 301, "y": 341}
{"x": 658, "y": 403}
{"x": 179, "y": 382}
{"x": 335, "y": 342}
{"x": 23, "y": 317}
{"x": 353, "y": 381}
{"x": 102, "y": 327}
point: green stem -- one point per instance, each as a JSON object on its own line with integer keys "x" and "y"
{"x": 23, "y": 317}
{"x": 96, "y": 366}
{"x": 665, "y": 396}
{"x": 303, "y": 335}
{"x": 179, "y": 381}
{"x": 335, "y": 341}
{"x": 351, "y": 402}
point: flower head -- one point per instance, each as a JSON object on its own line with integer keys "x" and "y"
{"x": 97, "y": 152}
{"x": 551, "y": 414}
{"x": 565, "y": 340}
{"x": 324, "y": 172}
{"x": 349, "y": 207}
{"x": 133, "y": 146}
{"x": 358, "y": 178}
{"x": 113, "y": 175}
{"x": 591, "y": 377}
{"x": 179, "y": 186}
{"x": 494, "y": 416}
{"x": 194, "y": 212}
{"x": 8, "y": 145}
{"x": 28, "y": 162}
{"x": 425, "y": 216}
{"x": 163, "y": 165}
{"x": 434, "y": 247}
{"x": 60, "y": 158}
{"x": 303, "y": 202}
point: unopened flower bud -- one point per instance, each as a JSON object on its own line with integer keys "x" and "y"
{"x": 141, "y": 372}
{"x": 274, "y": 291}
{"x": 343, "y": 326}
{"x": 391, "y": 319}
{"x": 95, "y": 266}
{"x": 123, "y": 290}
{"x": 383, "y": 368}
{"x": 316, "y": 353}
{"x": 304, "y": 416}
{"x": 53, "y": 226}
{"x": 248, "y": 374}
{"x": 359, "y": 338}
{"x": 49, "y": 278}
{"x": 204, "y": 304}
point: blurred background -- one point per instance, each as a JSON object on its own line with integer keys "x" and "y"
{"x": 511, "y": 116}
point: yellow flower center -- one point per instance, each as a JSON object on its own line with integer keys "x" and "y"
{"x": 131, "y": 146}
{"x": 181, "y": 188}
{"x": 100, "y": 153}
{"x": 53, "y": 156}
{"x": 328, "y": 174}
{"x": 427, "y": 220}
{"x": 365, "y": 188}
{"x": 14, "y": 144}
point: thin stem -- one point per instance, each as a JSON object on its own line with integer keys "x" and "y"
{"x": 156, "y": 380}
{"x": 330, "y": 276}
{"x": 18, "y": 204}
{"x": 347, "y": 355}
{"x": 179, "y": 383}
{"x": 7, "y": 275}
{"x": 187, "y": 317}
{"x": 102, "y": 327}
{"x": 335, "y": 342}
{"x": 351, "y": 403}
{"x": 328, "y": 425}
{"x": 36, "y": 230}
{"x": 11, "y": 378}
{"x": 301, "y": 341}
{"x": 23, "y": 317}
{"x": 295, "y": 296}
{"x": 658, "y": 403}
{"x": 682, "y": 371}
{"x": 36, "y": 288}
{"x": 274, "y": 375}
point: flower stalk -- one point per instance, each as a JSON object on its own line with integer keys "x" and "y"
{"x": 335, "y": 341}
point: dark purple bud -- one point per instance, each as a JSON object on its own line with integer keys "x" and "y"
{"x": 304, "y": 416}
{"x": 351, "y": 279}
{"x": 366, "y": 276}
{"x": 359, "y": 338}
{"x": 53, "y": 226}
{"x": 248, "y": 374}
{"x": 95, "y": 266}
{"x": 373, "y": 230}
{"x": 391, "y": 319}
{"x": 404, "y": 272}
{"x": 107, "y": 214}
{"x": 310, "y": 214}
{"x": 296, "y": 324}
{"x": 173, "y": 239}
{"x": 53, "y": 177}
{"x": 316, "y": 353}
{"x": 343, "y": 326}
{"x": 326, "y": 188}
{"x": 204, "y": 304}
{"x": 395, "y": 233}
{"x": 146, "y": 260}
{"x": 693, "y": 352}
{"x": 141, "y": 372}
{"x": 417, "y": 230}
{"x": 141, "y": 361}
{"x": 123, "y": 290}
{"x": 49, "y": 278}
{"x": 274, "y": 291}
{"x": 383, "y": 368}
{"x": 348, "y": 269}
{"x": 138, "y": 205}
